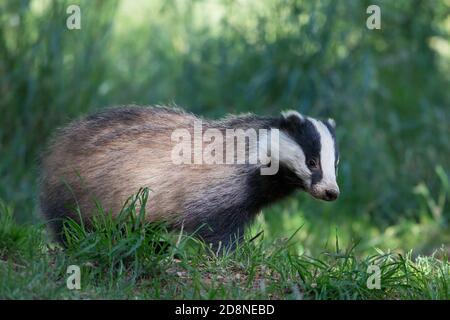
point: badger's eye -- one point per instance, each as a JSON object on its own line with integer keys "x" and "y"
{"x": 312, "y": 163}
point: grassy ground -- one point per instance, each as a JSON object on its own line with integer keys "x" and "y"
{"x": 126, "y": 258}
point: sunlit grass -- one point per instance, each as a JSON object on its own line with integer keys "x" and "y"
{"x": 126, "y": 257}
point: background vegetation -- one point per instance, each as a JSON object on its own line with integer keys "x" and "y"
{"x": 387, "y": 89}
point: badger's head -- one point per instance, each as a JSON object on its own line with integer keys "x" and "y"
{"x": 309, "y": 150}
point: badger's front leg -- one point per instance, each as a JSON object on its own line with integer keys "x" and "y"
{"x": 223, "y": 230}
{"x": 222, "y": 240}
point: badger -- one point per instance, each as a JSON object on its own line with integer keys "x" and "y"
{"x": 108, "y": 156}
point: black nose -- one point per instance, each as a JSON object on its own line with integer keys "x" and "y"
{"x": 331, "y": 194}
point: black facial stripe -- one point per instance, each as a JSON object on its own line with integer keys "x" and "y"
{"x": 316, "y": 176}
{"x": 333, "y": 134}
{"x": 306, "y": 135}
{"x": 309, "y": 139}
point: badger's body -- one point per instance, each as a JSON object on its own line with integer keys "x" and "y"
{"x": 109, "y": 156}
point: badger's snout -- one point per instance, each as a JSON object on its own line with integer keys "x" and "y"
{"x": 327, "y": 193}
{"x": 331, "y": 194}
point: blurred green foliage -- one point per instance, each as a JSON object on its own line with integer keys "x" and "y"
{"x": 387, "y": 89}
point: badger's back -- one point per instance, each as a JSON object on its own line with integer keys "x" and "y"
{"x": 108, "y": 157}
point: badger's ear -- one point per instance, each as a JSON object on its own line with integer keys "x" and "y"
{"x": 332, "y": 123}
{"x": 292, "y": 117}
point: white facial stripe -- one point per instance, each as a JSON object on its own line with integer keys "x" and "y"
{"x": 291, "y": 154}
{"x": 327, "y": 153}
{"x": 290, "y": 113}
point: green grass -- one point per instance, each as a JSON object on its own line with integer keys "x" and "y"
{"x": 127, "y": 258}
